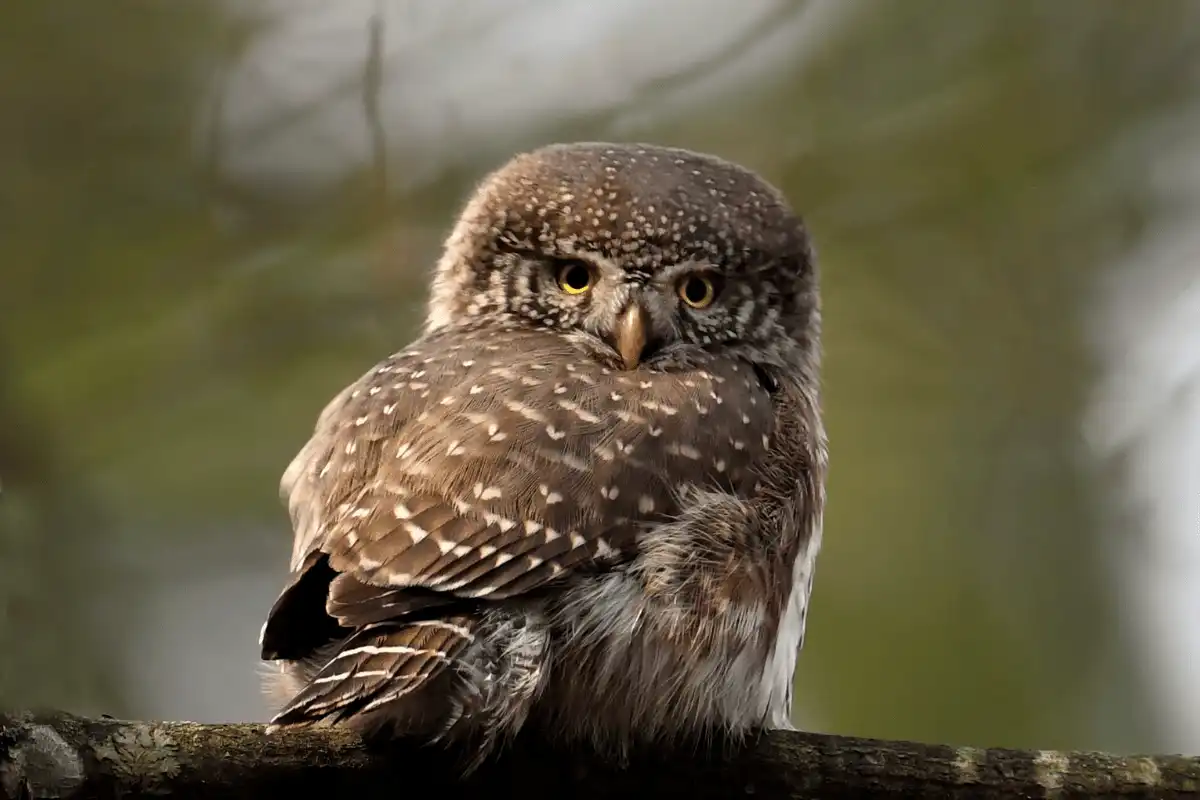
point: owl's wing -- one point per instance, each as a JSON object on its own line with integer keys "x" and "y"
{"x": 476, "y": 468}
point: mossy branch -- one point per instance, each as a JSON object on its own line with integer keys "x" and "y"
{"x": 59, "y": 755}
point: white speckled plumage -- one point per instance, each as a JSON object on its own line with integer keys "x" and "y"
{"x": 513, "y": 523}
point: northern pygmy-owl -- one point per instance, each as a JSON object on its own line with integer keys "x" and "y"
{"x": 588, "y": 498}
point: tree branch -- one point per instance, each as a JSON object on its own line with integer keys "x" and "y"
{"x": 60, "y": 755}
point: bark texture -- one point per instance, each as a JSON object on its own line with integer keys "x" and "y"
{"x": 58, "y": 755}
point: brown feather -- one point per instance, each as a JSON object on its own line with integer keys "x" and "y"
{"x": 379, "y": 664}
{"x": 571, "y": 479}
{"x": 510, "y": 521}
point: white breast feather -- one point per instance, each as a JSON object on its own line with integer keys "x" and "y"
{"x": 780, "y": 669}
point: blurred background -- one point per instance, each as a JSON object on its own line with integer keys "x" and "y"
{"x": 213, "y": 215}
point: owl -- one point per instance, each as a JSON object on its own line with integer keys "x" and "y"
{"x": 587, "y": 500}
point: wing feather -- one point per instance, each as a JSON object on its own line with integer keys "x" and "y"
{"x": 378, "y": 664}
{"x": 478, "y": 465}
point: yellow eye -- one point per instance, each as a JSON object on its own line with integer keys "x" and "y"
{"x": 698, "y": 291}
{"x": 574, "y": 277}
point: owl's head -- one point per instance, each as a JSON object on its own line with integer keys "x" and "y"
{"x": 653, "y": 251}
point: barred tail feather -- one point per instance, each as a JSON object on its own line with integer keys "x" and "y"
{"x": 376, "y": 669}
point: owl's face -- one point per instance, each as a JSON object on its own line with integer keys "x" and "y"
{"x": 647, "y": 251}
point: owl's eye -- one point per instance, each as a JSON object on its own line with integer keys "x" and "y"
{"x": 574, "y": 277}
{"x": 698, "y": 291}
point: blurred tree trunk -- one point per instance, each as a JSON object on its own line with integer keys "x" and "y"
{"x": 98, "y": 106}
{"x": 50, "y": 530}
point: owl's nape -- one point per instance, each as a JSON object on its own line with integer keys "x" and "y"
{"x": 598, "y": 473}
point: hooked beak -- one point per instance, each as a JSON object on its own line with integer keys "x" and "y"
{"x": 630, "y": 334}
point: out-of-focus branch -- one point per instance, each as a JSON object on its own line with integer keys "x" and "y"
{"x": 372, "y": 95}
{"x": 60, "y": 755}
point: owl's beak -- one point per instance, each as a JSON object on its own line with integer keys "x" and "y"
{"x": 631, "y": 330}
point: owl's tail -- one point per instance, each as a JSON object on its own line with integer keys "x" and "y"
{"x": 383, "y": 673}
